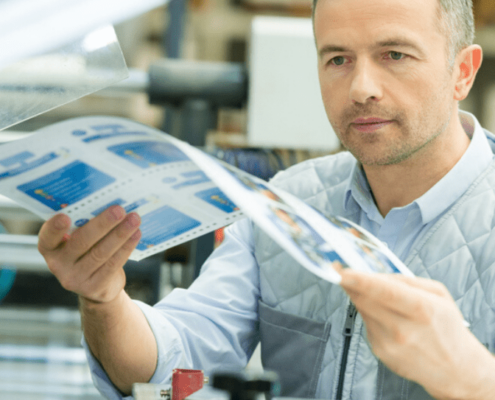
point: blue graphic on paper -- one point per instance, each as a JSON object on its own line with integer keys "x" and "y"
{"x": 108, "y": 132}
{"x": 333, "y": 256}
{"x": 24, "y": 166}
{"x": 19, "y": 158}
{"x": 193, "y": 178}
{"x": 217, "y": 198}
{"x": 164, "y": 224}
{"x": 135, "y": 205}
{"x": 112, "y": 203}
{"x": 67, "y": 185}
{"x": 148, "y": 154}
{"x": 366, "y": 247}
{"x": 377, "y": 260}
{"x": 312, "y": 245}
{"x": 81, "y": 222}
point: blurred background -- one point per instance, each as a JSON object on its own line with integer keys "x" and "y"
{"x": 272, "y": 118}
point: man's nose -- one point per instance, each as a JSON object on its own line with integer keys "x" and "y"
{"x": 365, "y": 84}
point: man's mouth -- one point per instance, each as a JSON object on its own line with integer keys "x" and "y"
{"x": 369, "y": 125}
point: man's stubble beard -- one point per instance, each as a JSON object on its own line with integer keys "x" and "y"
{"x": 407, "y": 139}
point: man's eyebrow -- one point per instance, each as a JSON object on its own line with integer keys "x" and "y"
{"x": 398, "y": 42}
{"x": 331, "y": 49}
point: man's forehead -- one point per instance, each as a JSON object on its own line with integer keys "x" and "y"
{"x": 346, "y": 22}
{"x": 336, "y": 11}
{"x": 432, "y": 2}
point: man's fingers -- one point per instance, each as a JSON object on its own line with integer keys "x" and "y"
{"x": 111, "y": 276}
{"x": 357, "y": 282}
{"x": 429, "y": 285}
{"x": 381, "y": 290}
{"x": 84, "y": 238}
{"x": 375, "y": 328}
{"x": 52, "y": 233}
{"x": 100, "y": 253}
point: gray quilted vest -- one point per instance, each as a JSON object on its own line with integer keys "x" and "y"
{"x": 303, "y": 319}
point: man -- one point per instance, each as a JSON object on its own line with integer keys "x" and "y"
{"x": 392, "y": 73}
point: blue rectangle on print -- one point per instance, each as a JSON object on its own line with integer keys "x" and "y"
{"x": 135, "y": 205}
{"x": 148, "y": 154}
{"x": 192, "y": 178}
{"x": 67, "y": 185}
{"x": 25, "y": 166}
{"x": 16, "y": 159}
{"x": 112, "y": 203}
{"x": 110, "y": 132}
{"x": 164, "y": 224}
{"x": 217, "y": 198}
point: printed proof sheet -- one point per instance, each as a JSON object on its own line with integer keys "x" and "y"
{"x": 321, "y": 244}
{"x": 82, "y": 166}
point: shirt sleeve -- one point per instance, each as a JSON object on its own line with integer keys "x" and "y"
{"x": 211, "y": 326}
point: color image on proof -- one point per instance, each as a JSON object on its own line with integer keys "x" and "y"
{"x": 67, "y": 185}
{"x": 366, "y": 246}
{"x": 306, "y": 238}
{"x": 24, "y": 162}
{"x": 218, "y": 199}
{"x": 376, "y": 259}
{"x": 256, "y": 186}
{"x": 148, "y": 154}
{"x": 104, "y": 132}
{"x": 353, "y": 230}
{"x": 164, "y": 224}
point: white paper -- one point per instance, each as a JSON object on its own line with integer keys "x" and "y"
{"x": 316, "y": 242}
{"x": 82, "y": 166}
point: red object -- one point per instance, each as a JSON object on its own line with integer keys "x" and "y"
{"x": 186, "y": 382}
{"x": 219, "y": 236}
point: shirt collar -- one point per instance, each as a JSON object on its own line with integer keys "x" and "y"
{"x": 474, "y": 161}
{"x": 358, "y": 191}
{"x": 441, "y": 196}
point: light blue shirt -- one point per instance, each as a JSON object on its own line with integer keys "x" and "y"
{"x": 404, "y": 226}
{"x": 213, "y": 325}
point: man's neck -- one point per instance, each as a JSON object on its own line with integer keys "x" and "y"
{"x": 400, "y": 184}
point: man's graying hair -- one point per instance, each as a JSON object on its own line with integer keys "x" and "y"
{"x": 456, "y": 22}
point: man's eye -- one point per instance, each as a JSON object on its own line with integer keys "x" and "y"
{"x": 395, "y": 55}
{"x": 338, "y": 61}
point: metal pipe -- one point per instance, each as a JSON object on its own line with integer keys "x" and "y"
{"x": 172, "y": 82}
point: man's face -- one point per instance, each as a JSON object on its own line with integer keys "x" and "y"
{"x": 384, "y": 76}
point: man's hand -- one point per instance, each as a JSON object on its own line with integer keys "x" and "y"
{"x": 415, "y": 328}
{"x": 89, "y": 262}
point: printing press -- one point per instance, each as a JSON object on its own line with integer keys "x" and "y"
{"x": 40, "y": 353}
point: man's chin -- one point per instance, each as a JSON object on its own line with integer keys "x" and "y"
{"x": 379, "y": 159}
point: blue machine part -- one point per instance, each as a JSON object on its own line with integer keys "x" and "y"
{"x": 7, "y": 277}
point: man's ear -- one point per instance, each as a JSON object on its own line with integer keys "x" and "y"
{"x": 468, "y": 62}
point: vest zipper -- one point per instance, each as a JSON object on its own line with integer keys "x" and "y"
{"x": 347, "y": 332}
